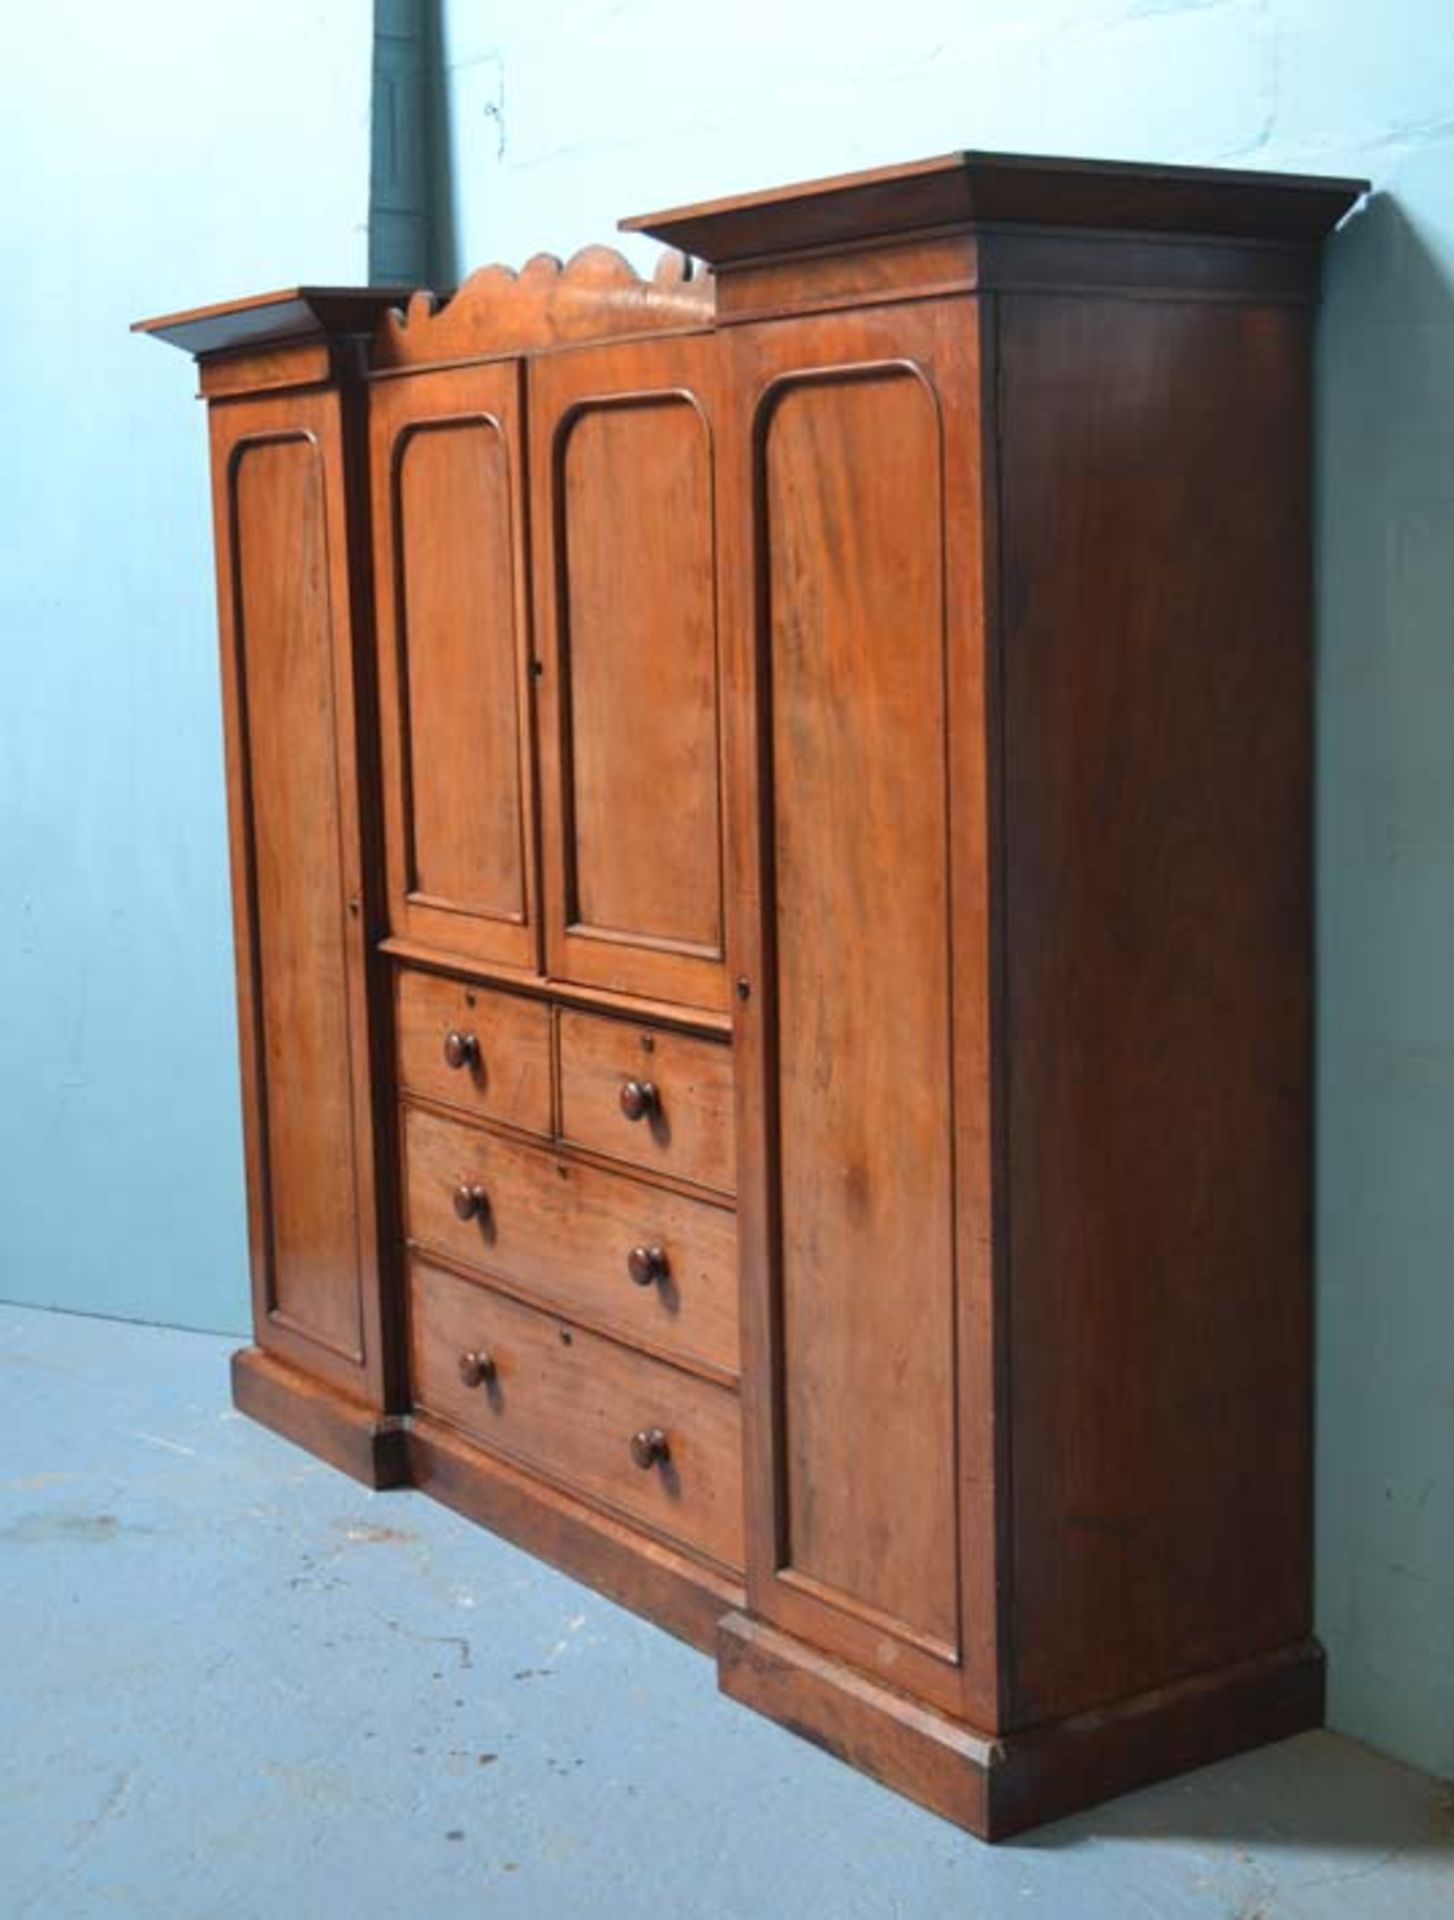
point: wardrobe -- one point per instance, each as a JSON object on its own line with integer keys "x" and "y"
{"x": 770, "y": 835}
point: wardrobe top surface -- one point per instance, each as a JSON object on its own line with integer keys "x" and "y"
{"x": 971, "y": 189}
{"x": 287, "y": 313}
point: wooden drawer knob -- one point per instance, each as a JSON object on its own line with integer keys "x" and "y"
{"x": 477, "y": 1367}
{"x": 460, "y": 1049}
{"x": 647, "y": 1265}
{"x": 639, "y": 1098}
{"x": 470, "y": 1202}
{"x": 649, "y": 1447}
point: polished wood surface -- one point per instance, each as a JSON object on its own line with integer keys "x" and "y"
{"x": 447, "y": 458}
{"x": 624, "y": 480}
{"x": 572, "y": 1404}
{"x": 298, "y": 874}
{"x": 971, "y": 189}
{"x": 863, "y": 1195}
{"x": 367, "y": 1445}
{"x": 675, "y": 1589}
{"x": 712, "y": 1022}
{"x": 472, "y": 1047}
{"x": 292, "y": 313}
{"x": 595, "y": 293}
{"x": 1000, "y": 1786}
{"x": 632, "y": 1259}
{"x": 774, "y": 812}
{"x": 848, "y": 462}
{"x": 1158, "y": 935}
{"x": 686, "y": 1129}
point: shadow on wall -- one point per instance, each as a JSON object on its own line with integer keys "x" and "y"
{"x": 1385, "y": 930}
{"x": 411, "y": 197}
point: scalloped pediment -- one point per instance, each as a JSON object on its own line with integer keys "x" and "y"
{"x": 596, "y": 294}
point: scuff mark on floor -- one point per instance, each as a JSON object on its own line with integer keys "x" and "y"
{"x": 160, "y": 1440}
{"x": 110, "y": 1807}
{"x": 83, "y": 1529}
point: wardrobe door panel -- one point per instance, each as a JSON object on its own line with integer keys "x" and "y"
{"x": 853, "y": 656}
{"x": 626, "y": 583}
{"x": 454, "y": 661}
{"x": 304, "y": 1018}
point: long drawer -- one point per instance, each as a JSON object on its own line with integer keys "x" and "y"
{"x": 660, "y": 1446}
{"x": 650, "y": 1265}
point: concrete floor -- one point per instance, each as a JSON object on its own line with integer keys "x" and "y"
{"x": 236, "y": 1684}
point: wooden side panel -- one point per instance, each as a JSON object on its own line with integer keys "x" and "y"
{"x": 454, "y": 666}
{"x": 632, "y": 733}
{"x": 861, "y": 875}
{"x": 1156, "y": 666}
{"x": 288, "y": 672}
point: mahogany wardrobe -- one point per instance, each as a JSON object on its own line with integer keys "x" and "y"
{"x": 770, "y": 846}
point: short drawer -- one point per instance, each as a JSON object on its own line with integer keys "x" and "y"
{"x": 485, "y": 1052}
{"x": 645, "y": 1263}
{"x": 660, "y": 1446}
{"x": 658, "y": 1099}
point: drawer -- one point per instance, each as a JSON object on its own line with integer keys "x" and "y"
{"x": 567, "y": 1233}
{"x": 483, "y": 1051}
{"x": 684, "y": 1123}
{"x": 660, "y": 1446}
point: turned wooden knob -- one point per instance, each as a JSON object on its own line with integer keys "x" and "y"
{"x": 471, "y": 1203}
{"x": 649, "y": 1447}
{"x": 477, "y": 1367}
{"x": 639, "y": 1098}
{"x": 460, "y": 1049}
{"x": 647, "y": 1265}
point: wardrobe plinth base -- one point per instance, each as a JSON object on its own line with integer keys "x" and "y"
{"x": 999, "y": 1785}
{"x": 360, "y": 1440}
{"x": 669, "y": 1588}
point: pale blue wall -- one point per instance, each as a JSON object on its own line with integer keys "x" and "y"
{"x": 565, "y": 116}
{"x": 154, "y": 156}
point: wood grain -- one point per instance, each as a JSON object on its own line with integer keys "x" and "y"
{"x": 297, "y": 803}
{"x": 998, "y": 1787}
{"x": 562, "y": 1230}
{"x": 690, "y": 1133}
{"x": 995, "y": 189}
{"x": 851, "y": 543}
{"x": 447, "y": 457}
{"x": 854, "y": 893}
{"x": 509, "y": 1076}
{"x": 674, "y": 1589}
{"x": 567, "y": 1403}
{"x": 631, "y": 734}
{"x": 358, "y": 1440}
{"x": 1158, "y": 936}
{"x": 597, "y": 293}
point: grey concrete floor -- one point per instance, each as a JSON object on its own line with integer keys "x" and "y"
{"x": 237, "y": 1684}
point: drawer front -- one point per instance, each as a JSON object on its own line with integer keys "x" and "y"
{"x": 647, "y": 1264}
{"x": 658, "y": 1099}
{"x": 474, "y": 1048}
{"x": 572, "y": 1403}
